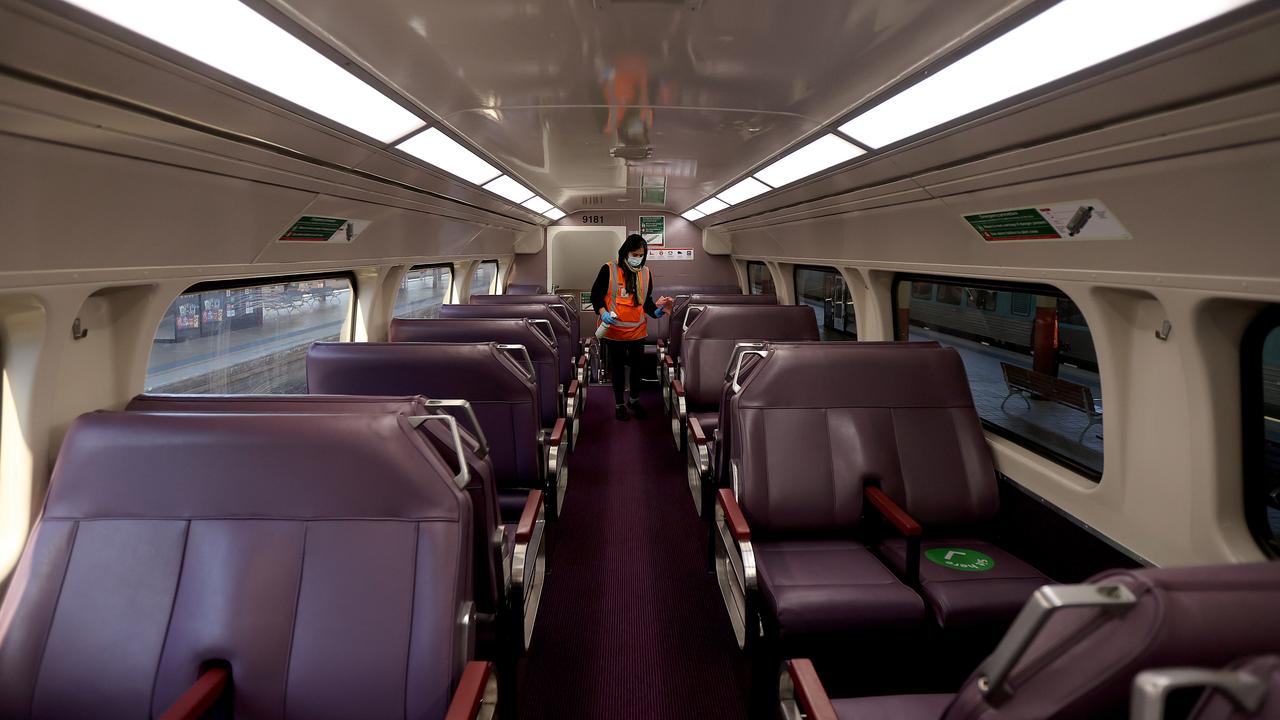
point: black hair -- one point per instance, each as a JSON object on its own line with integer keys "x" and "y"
{"x": 631, "y": 244}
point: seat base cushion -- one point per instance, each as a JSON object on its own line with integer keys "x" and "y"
{"x": 963, "y": 594}
{"x": 818, "y": 587}
{"x": 893, "y": 707}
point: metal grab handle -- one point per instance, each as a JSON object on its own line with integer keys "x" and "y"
{"x": 476, "y": 430}
{"x": 690, "y": 317}
{"x": 524, "y": 352}
{"x": 733, "y": 358}
{"x": 1151, "y": 689}
{"x": 550, "y": 332}
{"x": 463, "y": 478}
{"x": 567, "y": 315}
{"x": 1041, "y": 606}
{"x": 737, "y": 370}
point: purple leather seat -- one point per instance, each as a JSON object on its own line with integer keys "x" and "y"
{"x": 519, "y": 331}
{"x": 488, "y": 556}
{"x": 709, "y": 344}
{"x": 532, "y": 311}
{"x": 579, "y": 354}
{"x": 515, "y": 289}
{"x": 669, "y": 347}
{"x": 325, "y": 558}
{"x": 502, "y": 395}
{"x": 1082, "y": 663}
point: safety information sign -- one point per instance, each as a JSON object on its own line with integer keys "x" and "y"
{"x": 961, "y": 559}
{"x": 1076, "y": 220}
{"x": 313, "y": 228}
{"x": 671, "y": 254}
{"x": 654, "y": 229}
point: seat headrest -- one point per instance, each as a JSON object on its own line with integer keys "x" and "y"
{"x": 526, "y": 299}
{"x": 541, "y": 311}
{"x": 525, "y": 289}
{"x": 314, "y": 404}
{"x": 857, "y": 374}
{"x": 472, "y": 330}
{"x": 472, "y": 371}
{"x": 161, "y": 465}
{"x": 783, "y": 322}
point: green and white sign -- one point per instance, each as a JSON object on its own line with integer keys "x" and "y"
{"x": 1075, "y": 220}
{"x": 654, "y": 229}
{"x": 960, "y": 559}
{"x": 313, "y": 228}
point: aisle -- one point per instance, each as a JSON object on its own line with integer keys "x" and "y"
{"x": 631, "y": 625}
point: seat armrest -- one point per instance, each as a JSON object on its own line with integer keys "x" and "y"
{"x": 528, "y": 567}
{"x": 529, "y": 518}
{"x": 201, "y": 696}
{"x": 557, "y": 434}
{"x": 733, "y": 516}
{"x": 801, "y": 694}
{"x": 582, "y": 361}
{"x": 695, "y": 429}
{"x": 476, "y": 695}
{"x": 573, "y": 388}
{"x": 906, "y": 526}
{"x": 677, "y": 388}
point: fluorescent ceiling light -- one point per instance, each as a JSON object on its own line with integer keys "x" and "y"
{"x": 825, "y": 152}
{"x": 537, "y": 204}
{"x": 435, "y": 148}
{"x": 229, "y": 36}
{"x": 509, "y": 189}
{"x": 1068, "y": 37}
{"x": 745, "y": 190}
{"x": 692, "y": 214}
{"x": 554, "y": 213}
{"x": 711, "y": 205}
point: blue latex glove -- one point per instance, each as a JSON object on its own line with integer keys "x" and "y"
{"x": 659, "y": 313}
{"x": 607, "y": 317}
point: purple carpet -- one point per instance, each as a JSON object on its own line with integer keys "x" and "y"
{"x": 631, "y": 624}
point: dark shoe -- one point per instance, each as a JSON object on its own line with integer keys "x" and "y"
{"x": 621, "y": 413}
{"x": 638, "y": 410}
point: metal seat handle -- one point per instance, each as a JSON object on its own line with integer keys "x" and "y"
{"x": 521, "y": 352}
{"x": 463, "y": 478}
{"x": 476, "y": 430}
{"x": 737, "y": 369}
{"x": 1151, "y": 689}
{"x": 738, "y": 348}
{"x": 566, "y": 315}
{"x": 550, "y": 332}
{"x": 689, "y": 317}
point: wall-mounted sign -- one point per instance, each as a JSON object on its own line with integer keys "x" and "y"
{"x": 313, "y": 228}
{"x": 653, "y": 190}
{"x": 654, "y": 229}
{"x": 671, "y": 254}
{"x": 1078, "y": 220}
{"x": 592, "y": 219}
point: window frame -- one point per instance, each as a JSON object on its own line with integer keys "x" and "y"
{"x": 767, "y": 271}
{"x": 493, "y": 285}
{"x": 829, "y": 270}
{"x": 1050, "y": 454}
{"x": 427, "y": 266}
{"x": 1253, "y": 434}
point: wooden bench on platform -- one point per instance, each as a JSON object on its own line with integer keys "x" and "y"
{"x": 1029, "y": 384}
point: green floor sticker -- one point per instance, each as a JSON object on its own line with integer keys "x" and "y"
{"x": 960, "y": 559}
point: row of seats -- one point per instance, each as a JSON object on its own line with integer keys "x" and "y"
{"x": 855, "y": 500}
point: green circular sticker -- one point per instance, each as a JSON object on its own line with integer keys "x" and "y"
{"x": 960, "y": 559}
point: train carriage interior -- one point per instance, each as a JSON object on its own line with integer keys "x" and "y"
{"x": 958, "y": 396}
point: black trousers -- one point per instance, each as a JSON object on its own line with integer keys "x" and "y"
{"x": 625, "y": 354}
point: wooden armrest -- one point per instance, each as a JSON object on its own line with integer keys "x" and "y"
{"x": 677, "y": 387}
{"x": 810, "y": 694}
{"x": 573, "y": 388}
{"x": 201, "y": 696}
{"x": 582, "y": 361}
{"x": 661, "y": 343}
{"x": 695, "y": 429}
{"x": 470, "y": 692}
{"x": 668, "y": 361}
{"x": 733, "y": 516}
{"x": 529, "y": 518}
{"x": 557, "y": 433}
{"x": 904, "y": 523}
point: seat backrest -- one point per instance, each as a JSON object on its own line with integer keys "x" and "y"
{"x": 1215, "y": 705}
{"x": 1082, "y": 663}
{"x": 515, "y": 331}
{"x": 533, "y": 311}
{"x": 806, "y": 433}
{"x": 675, "y": 326}
{"x": 325, "y": 557}
{"x": 502, "y": 395}
{"x": 555, "y": 302}
{"x": 480, "y": 486}
{"x": 518, "y": 289}
{"x": 715, "y": 331}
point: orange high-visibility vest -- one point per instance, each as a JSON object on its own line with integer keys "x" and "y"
{"x": 631, "y": 323}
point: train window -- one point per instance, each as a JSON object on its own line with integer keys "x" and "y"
{"x": 423, "y": 290}
{"x": 1261, "y": 377}
{"x": 759, "y": 279}
{"x": 1034, "y": 376}
{"x": 824, "y": 290}
{"x": 485, "y": 281}
{"x": 247, "y": 338}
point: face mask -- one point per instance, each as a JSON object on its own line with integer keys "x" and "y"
{"x": 634, "y": 261}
